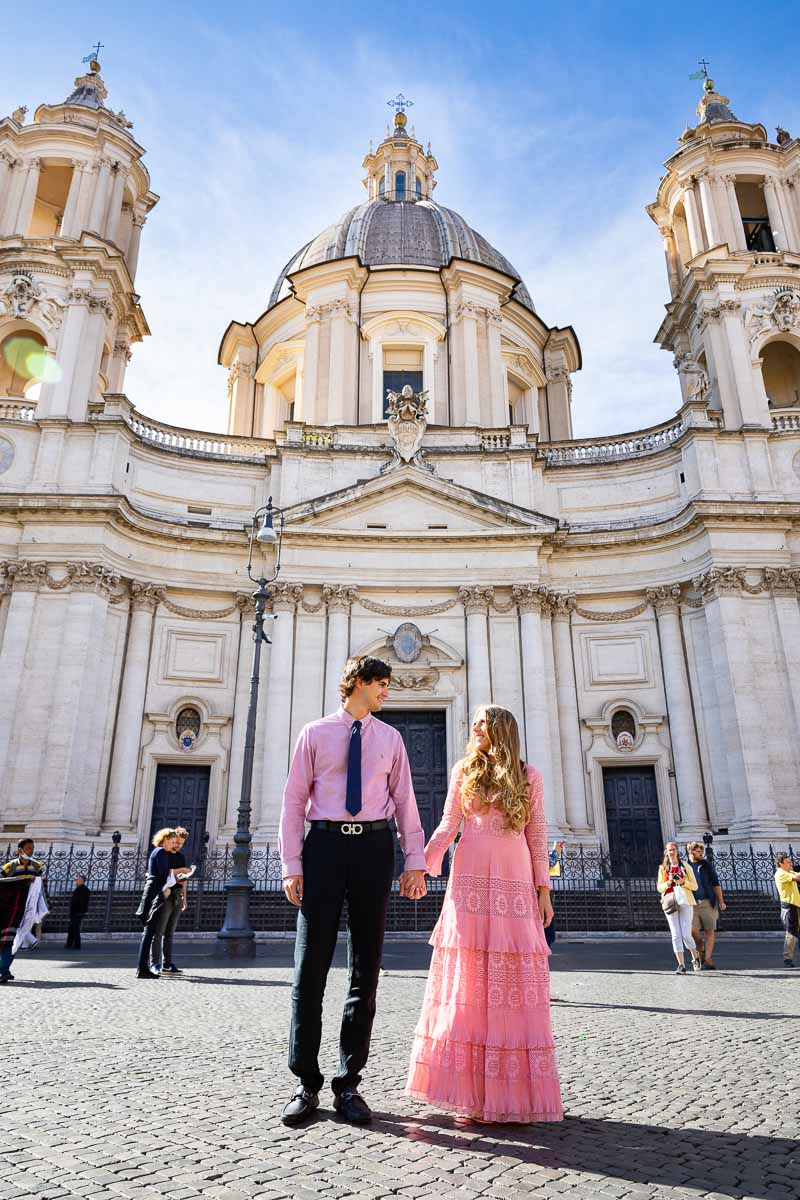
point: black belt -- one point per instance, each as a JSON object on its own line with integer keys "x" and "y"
{"x": 350, "y": 827}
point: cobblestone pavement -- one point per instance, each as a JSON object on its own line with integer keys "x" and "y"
{"x": 675, "y": 1086}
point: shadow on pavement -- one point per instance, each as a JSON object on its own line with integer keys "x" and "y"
{"x": 727, "y": 1164}
{"x": 17, "y": 982}
{"x": 675, "y": 1012}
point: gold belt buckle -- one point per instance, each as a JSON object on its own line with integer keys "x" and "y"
{"x": 352, "y": 827}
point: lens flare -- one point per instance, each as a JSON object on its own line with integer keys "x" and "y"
{"x": 29, "y": 361}
{"x": 42, "y": 367}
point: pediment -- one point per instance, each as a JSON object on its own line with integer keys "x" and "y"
{"x": 410, "y": 500}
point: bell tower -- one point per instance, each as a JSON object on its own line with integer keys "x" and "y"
{"x": 728, "y": 210}
{"x": 74, "y": 198}
{"x": 400, "y": 169}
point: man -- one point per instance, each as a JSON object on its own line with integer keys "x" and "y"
{"x": 16, "y": 877}
{"x": 349, "y": 775}
{"x": 78, "y": 908}
{"x": 786, "y": 883}
{"x": 174, "y": 905}
{"x": 709, "y": 903}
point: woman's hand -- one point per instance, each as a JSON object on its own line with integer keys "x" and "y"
{"x": 545, "y": 906}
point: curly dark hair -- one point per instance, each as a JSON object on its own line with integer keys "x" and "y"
{"x": 362, "y": 666}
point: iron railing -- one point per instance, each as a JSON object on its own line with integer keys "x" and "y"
{"x": 589, "y": 895}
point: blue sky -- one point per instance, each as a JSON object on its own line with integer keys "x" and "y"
{"x": 550, "y": 124}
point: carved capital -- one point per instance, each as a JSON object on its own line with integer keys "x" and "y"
{"x": 561, "y": 604}
{"x": 476, "y": 598}
{"x": 92, "y": 577}
{"x": 719, "y": 580}
{"x": 529, "y": 597}
{"x": 782, "y": 581}
{"x": 338, "y": 596}
{"x": 286, "y": 595}
{"x": 665, "y": 598}
{"x": 26, "y": 576}
{"x": 145, "y": 595}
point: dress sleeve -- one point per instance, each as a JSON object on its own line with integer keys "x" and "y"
{"x": 444, "y": 834}
{"x": 536, "y": 831}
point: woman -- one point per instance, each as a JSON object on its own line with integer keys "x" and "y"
{"x": 483, "y": 1046}
{"x": 161, "y": 955}
{"x": 676, "y": 883}
{"x": 150, "y": 910}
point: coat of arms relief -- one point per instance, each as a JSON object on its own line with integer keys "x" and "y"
{"x": 408, "y": 420}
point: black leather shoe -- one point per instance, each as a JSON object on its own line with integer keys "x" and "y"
{"x": 171, "y": 970}
{"x": 300, "y": 1107}
{"x": 353, "y": 1107}
{"x": 147, "y": 975}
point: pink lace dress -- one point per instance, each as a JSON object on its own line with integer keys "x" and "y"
{"x": 483, "y": 1045}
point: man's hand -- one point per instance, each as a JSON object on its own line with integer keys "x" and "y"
{"x": 722, "y": 906}
{"x": 293, "y": 889}
{"x": 545, "y": 906}
{"x": 412, "y": 885}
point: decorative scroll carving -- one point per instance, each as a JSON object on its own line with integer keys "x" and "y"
{"x": 721, "y": 579}
{"x": 404, "y": 610}
{"x": 530, "y": 597}
{"x": 91, "y": 577}
{"x": 25, "y": 298}
{"x": 287, "y": 594}
{"x": 421, "y": 681}
{"x": 408, "y": 420}
{"x": 26, "y": 575}
{"x": 338, "y": 596}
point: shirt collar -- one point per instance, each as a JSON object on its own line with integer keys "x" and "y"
{"x": 345, "y": 716}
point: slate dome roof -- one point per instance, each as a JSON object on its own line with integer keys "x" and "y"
{"x": 387, "y": 233}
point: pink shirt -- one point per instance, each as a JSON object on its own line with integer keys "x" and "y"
{"x": 315, "y": 789}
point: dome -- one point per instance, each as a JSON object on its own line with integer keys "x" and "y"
{"x": 399, "y": 233}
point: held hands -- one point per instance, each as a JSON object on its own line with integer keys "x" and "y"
{"x": 412, "y": 885}
{"x": 293, "y": 889}
{"x": 545, "y": 906}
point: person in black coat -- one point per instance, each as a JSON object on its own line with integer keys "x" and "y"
{"x": 156, "y": 892}
{"x": 78, "y": 908}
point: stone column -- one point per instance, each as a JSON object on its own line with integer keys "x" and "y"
{"x": 530, "y": 601}
{"x": 559, "y": 397}
{"x": 467, "y": 317}
{"x": 793, "y": 200}
{"x": 745, "y": 744}
{"x": 787, "y": 215}
{"x": 785, "y": 587}
{"x": 102, "y": 185}
{"x": 132, "y": 254}
{"x": 338, "y": 599}
{"x": 683, "y": 738}
{"x": 241, "y": 395}
{"x": 311, "y": 375}
{"x": 6, "y": 168}
{"x": 712, "y": 224}
{"x": 56, "y": 396}
{"x": 24, "y": 578}
{"x": 671, "y": 258}
{"x": 568, "y": 715}
{"x": 69, "y": 220}
{"x": 28, "y": 198}
{"x": 87, "y": 173}
{"x": 119, "y": 362}
{"x": 87, "y": 368}
{"x": 739, "y": 240}
{"x": 498, "y": 395}
{"x": 774, "y": 211}
{"x": 119, "y": 812}
{"x": 693, "y": 226}
{"x": 9, "y": 203}
{"x": 277, "y": 748}
{"x": 476, "y": 601}
{"x": 114, "y": 212}
{"x": 339, "y": 383}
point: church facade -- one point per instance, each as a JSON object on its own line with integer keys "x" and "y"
{"x": 633, "y": 599}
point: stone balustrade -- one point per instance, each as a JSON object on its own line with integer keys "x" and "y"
{"x": 193, "y": 441}
{"x": 786, "y": 421}
{"x": 588, "y": 451}
{"x": 495, "y": 440}
{"x": 323, "y": 438}
{"x": 16, "y": 410}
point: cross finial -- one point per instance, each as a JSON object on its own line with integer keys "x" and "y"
{"x": 704, "y": 64}
{"x": 400, "y": 104}
{"x": 95, "y": 54}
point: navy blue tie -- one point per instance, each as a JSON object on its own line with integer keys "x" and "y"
{"x": 353, "y": 794}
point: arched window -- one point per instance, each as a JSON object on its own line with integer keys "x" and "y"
{"x": 23, "y": 362}
{"x": 382, "y": 186}
{"x": 400, "y": 185}
{"x": 188, "y": 721}
{"x": 755, "y": 217}
{"x": 781, "y": 372}
{"x": 622, "y": 722}
{"x": 419, "y": 190}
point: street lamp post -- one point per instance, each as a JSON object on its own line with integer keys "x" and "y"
{"x": 236, "y": 939}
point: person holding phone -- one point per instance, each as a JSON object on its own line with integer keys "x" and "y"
{"x": 676, "y": 884}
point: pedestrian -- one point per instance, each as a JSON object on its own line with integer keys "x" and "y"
{"x": 554, "y": 860}
{"x": 349, "y": 775}
{"x": 709, "y": 903}
{"x": 156, "y": 892}
{"x": 677, "y": 885}
{"x": 483, "y": 1045}
{"x": 78, "y": 908}
{"x": 16, "y": 877}
{"x": 161, "y": 953}
{"x": 786, "y": 878}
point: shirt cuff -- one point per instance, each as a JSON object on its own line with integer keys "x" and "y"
{"x": 293, "y": 867}
{"x": 414, "y": 861}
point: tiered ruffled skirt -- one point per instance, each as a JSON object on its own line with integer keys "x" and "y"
{"x": 483, "y": 1046}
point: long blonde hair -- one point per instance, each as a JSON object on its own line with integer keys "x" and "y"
{"x": 162, "y": 835}
{"x": 497, "y": 777}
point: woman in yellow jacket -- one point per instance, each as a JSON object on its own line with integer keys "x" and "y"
{"x": 677, "y": 885}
